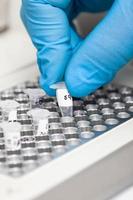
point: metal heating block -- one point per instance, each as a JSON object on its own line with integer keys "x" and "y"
{"x": 30, "y": 140}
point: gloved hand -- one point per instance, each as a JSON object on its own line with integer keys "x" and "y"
{"x": 84, "y": 64}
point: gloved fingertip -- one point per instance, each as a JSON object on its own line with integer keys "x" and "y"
{"x": 83, "y": 81}
{"x": 74, "y": 89}
{"x": 46, "y": 87}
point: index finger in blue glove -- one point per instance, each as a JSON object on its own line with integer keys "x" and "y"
{"x": 48, "y": 26}
{"x": 106, "y": 49}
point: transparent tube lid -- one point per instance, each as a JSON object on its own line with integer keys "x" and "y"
{"x": 39, "y": 114}
{"x": 9, "y": 105}
{"x": 35, "y": 93}
{"x": 60, "y": 85}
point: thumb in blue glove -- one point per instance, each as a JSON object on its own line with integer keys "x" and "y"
{"x": 105, "y": 50}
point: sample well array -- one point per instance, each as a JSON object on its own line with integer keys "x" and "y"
{"x": 33, "y": 132}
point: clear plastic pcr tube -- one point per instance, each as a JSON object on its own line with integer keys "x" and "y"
{"x": 9, "y": 110}
{"x": 34, "y": 95}
{"x": 64, "y": 99}
{"x": 12, "y": 135}
{"x": 40, "y": 118}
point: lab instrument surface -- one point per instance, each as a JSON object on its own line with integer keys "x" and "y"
{"x": 41, "y": 149}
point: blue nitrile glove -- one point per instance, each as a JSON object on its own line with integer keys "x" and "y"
{"x": 87, "y": 64}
